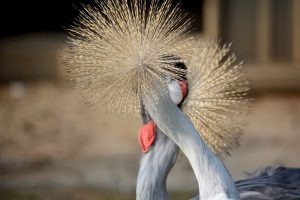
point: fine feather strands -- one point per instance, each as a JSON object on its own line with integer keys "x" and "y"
{"x": 120, "y": 53}
{"x": 115, "y": 52}
{"x": 217, "y": 100}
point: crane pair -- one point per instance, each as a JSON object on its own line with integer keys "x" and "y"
{"x": 137, "y": 57}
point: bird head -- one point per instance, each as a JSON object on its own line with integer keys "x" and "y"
{"x": 177, "y": 85}
{"x": 123, "y": 54}
{"x": 177, "y": 80}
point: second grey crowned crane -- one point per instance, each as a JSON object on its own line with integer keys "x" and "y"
{"x": 273, "y": 183}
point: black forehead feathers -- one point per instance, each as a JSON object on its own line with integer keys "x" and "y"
{"x": 177, "y": 63}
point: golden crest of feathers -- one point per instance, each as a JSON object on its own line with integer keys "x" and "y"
{"x": 217, "y": 100}
{"x": 116, "y": 51}
{"x": 117, "y": 56}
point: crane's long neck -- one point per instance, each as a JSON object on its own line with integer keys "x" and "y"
{"x": 214, "y": 181}
{"x": 154, "y": 169}
{"x": 155, "y": 165}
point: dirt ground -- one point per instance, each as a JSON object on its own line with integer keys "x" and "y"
{"x": 50, "y": 139}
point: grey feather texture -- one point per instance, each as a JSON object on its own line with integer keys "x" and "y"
{"x": 155, "y": 167}
{"x": 271, "y": 183}
{"x": 275, "y": 183}
{"x": 214, "y": 181}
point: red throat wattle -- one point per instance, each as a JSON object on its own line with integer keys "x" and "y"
{"x": 147, "y": 136}
{"x": 184, "y": 87}
{"x": 147, "y": 133}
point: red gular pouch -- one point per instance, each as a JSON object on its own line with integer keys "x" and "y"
{"x": 147, "y": 136}
{"x": 184, "y": 87}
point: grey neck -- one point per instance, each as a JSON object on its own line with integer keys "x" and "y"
{"x": 154, "y": 168}
{"x": 214, "y": 181}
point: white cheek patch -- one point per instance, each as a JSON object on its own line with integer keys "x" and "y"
{"x": 175, "y": 92}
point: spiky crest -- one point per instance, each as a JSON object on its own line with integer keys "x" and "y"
{"x": 119, "y": 53}
{"x": 217, "y": 100}
{"x": 116, "y": 51}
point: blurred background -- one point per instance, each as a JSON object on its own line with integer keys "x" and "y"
{"x": 52, "y": 146}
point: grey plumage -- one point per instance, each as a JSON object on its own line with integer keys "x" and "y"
{"x": 214, "y": 181}
{"x": 270, "y": 183}
{"x": 154, "y": 169}
{"x": 274, "y": 183}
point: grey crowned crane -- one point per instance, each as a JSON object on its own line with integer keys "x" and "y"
{"x": 121, "y": 54}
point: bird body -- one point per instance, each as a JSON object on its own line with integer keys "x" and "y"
{"x": 274, "y": 183}
{"x": 271, "y": 183}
